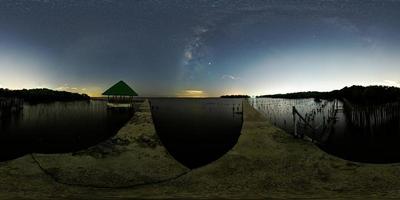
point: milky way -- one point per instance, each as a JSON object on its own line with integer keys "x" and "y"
{"x": 172, "y": 48}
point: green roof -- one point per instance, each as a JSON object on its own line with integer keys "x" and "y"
{"x": 120, "y": 89}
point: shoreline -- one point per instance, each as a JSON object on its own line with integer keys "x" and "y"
{"x": 266, "y": 162}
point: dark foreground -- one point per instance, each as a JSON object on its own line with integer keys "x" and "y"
{"x": 265, "y": 163}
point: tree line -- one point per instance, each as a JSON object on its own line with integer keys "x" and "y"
{"x": 354, "y": 94}
{"x": 235, "y": 96}
{"x": 42, "y": 95}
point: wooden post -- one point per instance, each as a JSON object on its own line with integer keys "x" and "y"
{"x": 335, "y": 104}
{"x": 294, "y": 121}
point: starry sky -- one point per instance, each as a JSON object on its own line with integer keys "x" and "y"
{"x": 199, "y": 47}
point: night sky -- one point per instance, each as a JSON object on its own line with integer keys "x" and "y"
{"x": 199, "y": 47}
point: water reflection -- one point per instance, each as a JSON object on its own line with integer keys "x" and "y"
{"x": 280, "y": 111}
{"x": 58, "y": 127}
{"x": 368, "y": 133}
{"x": 197, "y": 131}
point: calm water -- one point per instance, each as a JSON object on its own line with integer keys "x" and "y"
{"x": 356, "y": 135}
{"x": 197, "y": 131}
{"x": 58, "y": 127}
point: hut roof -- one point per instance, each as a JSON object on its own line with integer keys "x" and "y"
{"x": 120, "y": 89}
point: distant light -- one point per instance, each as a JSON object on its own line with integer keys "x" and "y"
{"x": 194, "y": 91}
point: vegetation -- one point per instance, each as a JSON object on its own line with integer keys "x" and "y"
{"x": 42, "y": 95}
{"x": 302, "y": 95}
{"x": 235, "y": 96}
{"x": 371, "y": 94}
{"x": 373, "y": 119}
{"x": 354, "y": 94}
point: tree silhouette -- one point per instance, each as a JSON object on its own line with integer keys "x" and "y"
{"x": 355, "y": 94}
{"x": 42, "y": 95}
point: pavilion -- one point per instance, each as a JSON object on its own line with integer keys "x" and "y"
{"x": 120, "y": 95}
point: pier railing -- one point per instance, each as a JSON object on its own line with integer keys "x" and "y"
{"x": 303, "y": 127}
